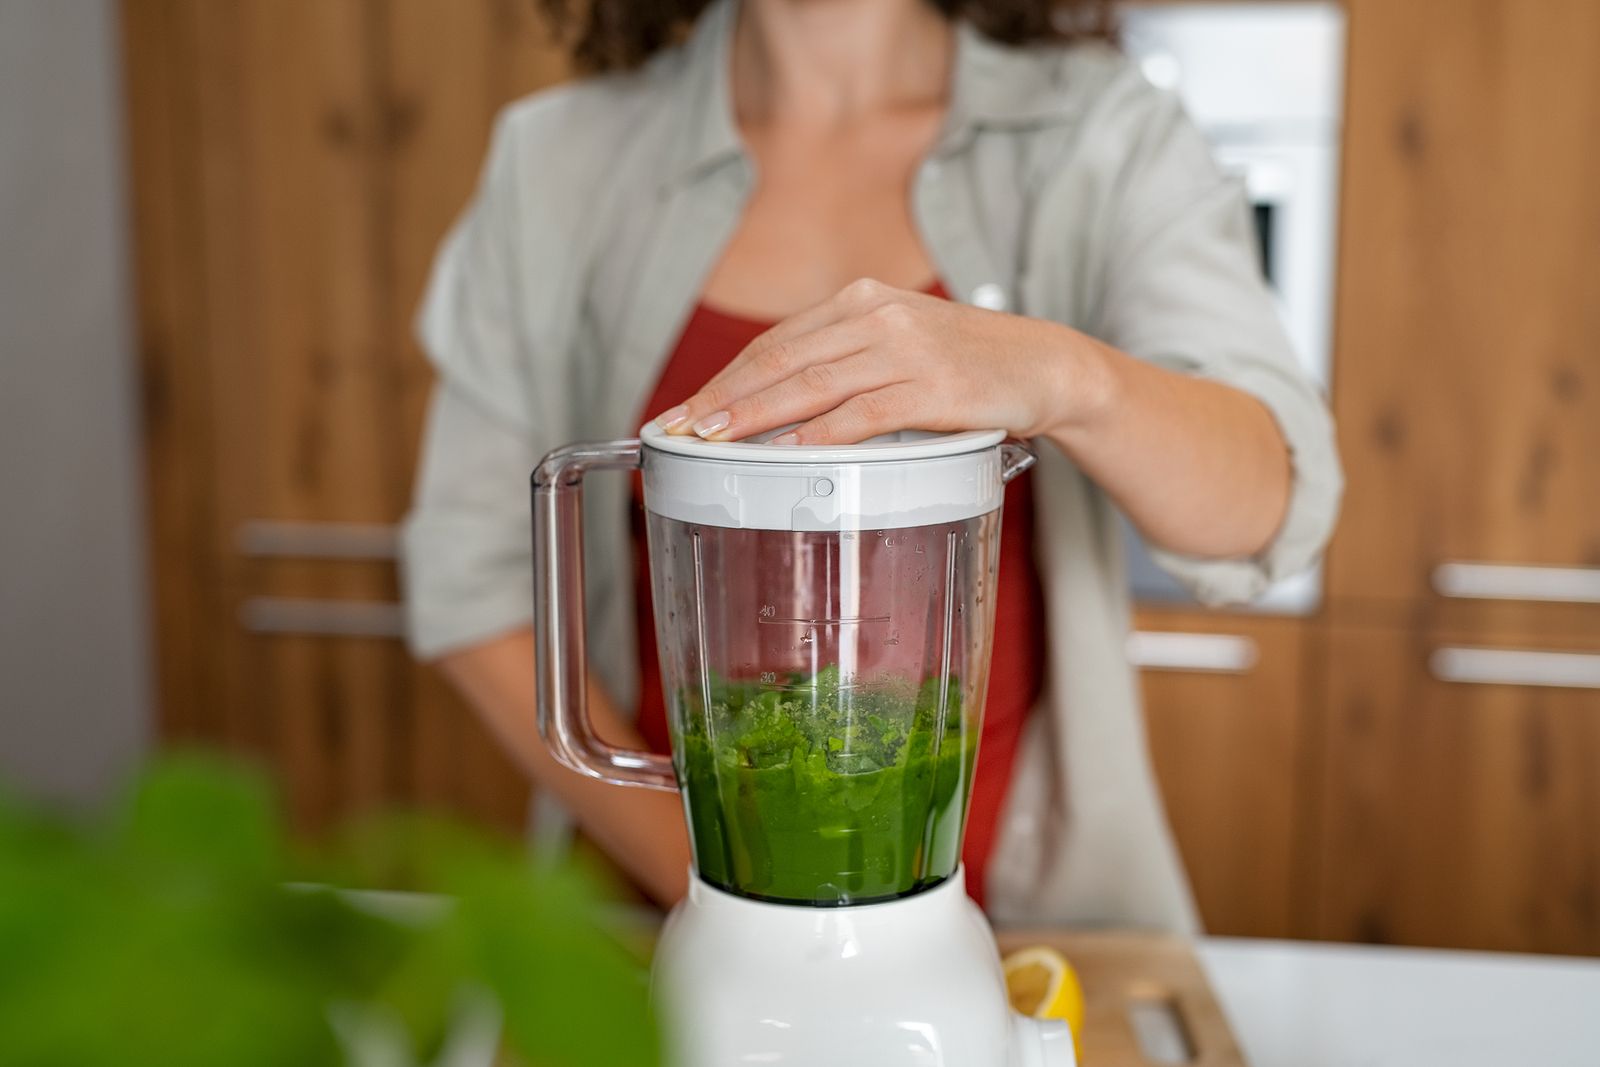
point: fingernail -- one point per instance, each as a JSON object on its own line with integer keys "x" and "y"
{"x": 790, "y": 438}
{"x": 668, "y": 419}
{"x": 717, "y": 420}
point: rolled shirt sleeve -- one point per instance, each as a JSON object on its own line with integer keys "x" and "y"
{"x": 1183, "y": 290}
{"x": 466, "y": 541}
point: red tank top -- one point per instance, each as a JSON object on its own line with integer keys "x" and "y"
{"x": 709, "y": 342}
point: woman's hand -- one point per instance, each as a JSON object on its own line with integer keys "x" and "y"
{"x": 874, "y": 359}
{"x": 1200, "y": 467}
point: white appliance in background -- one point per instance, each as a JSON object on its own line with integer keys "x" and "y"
{"x": 1265, "y": 83}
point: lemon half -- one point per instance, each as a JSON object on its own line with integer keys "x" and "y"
{"x": 1043, "y": 985}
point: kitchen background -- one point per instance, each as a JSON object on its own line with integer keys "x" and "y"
{"x": 215, "y": 222}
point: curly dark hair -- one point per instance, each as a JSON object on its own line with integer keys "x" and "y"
{"x": 621, "y": 34}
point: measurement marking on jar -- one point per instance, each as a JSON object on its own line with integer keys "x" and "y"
{"x": 843, "y": 620}
{"x": 810, "y": 688}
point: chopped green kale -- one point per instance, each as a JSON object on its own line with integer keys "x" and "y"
{"x": 812, "y": 790}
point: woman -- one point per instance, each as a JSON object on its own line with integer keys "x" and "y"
{"x": 862, "y": 216}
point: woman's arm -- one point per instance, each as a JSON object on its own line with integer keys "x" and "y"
{"x": 642, "y": 830}
{"x": 1200, "y": 467}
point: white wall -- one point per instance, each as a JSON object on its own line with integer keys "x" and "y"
{"x": 74, "y": 671}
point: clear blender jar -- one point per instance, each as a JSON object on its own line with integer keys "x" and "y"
{"x": 824, "y": 618}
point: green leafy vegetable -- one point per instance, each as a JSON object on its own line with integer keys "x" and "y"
{"x": 810, "y": 790}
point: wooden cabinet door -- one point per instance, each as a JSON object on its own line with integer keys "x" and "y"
{"x": 269, "y": 382}
{"x": 1467, "y": 376}
{"x": 1463, "y": 813}
{"x": 295, "y": 164}
{"x": 1223, "y": 709}
{"x": 323, "y": 692}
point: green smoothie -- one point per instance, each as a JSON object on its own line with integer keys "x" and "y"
{"x": 804, "y": 792}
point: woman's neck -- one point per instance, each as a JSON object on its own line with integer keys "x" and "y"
{"x": 830, "y": 62}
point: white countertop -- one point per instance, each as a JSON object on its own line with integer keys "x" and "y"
{"x": 1301, "y": 1004}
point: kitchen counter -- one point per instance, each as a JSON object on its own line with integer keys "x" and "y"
{"x": 1313, "y": 1004}
{"x": 1299, "y": 1004}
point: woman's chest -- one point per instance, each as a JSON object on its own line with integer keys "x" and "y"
{"x": 746, "y": 242}
{"x": 825, "y": 208}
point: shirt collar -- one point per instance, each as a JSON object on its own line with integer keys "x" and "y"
{"x": 703, "y": 95}
{"x": 995, "y": 85}
{"x": 998, "y": 85}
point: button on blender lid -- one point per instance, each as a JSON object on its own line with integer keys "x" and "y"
{"x": 900, "y": 446}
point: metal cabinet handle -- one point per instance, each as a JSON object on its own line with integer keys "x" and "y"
{"x": 272, "y": 539}
{"x": 1212, "y": 653}
{"x": 323, "y": 618}
{"x": 1512, "y": 581}
{"x": 1515, "y": 666}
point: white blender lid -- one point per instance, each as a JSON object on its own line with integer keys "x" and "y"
{"x": 901, "y": 445}
{"x": 910, "y": 478}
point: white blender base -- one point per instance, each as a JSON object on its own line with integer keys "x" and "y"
{"x": 908, "y": 982}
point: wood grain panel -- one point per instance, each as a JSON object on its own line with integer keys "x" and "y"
{"x": 1228, "y": 750}
{"x": 1433, "y": 613}
{"x": 1456, "y": 814}
{"x": 295, "y": 164}
{"x": 1467, "y": 381}
{"x": 162, "y": 117}
{"x": 301, "y": 378}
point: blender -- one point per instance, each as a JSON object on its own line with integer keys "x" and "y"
{"x": 824, "y": 617}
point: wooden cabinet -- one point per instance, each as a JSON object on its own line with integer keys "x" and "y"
{"x": 1467, "y": 379}
{"x": 1226, "y": 718}
{"x": 1462, "y": 800}
{"x": 295, "y": 163}
{"x": 1467, "y": 392}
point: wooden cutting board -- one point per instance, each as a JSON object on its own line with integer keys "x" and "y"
{"x": 1147, "y": 977}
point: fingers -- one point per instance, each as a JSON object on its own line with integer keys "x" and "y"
{"x": 809, "y": 392}
{"x": 792, "y": 344}
{"x": 710, "y": 412}
{"x": 893, "y": 407}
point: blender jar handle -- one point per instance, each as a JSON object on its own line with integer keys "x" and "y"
{"x": 559, "y": 620}
{"x": 1015, "y": 457}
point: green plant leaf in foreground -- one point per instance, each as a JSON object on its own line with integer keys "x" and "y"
{"x": 171, "y": 931}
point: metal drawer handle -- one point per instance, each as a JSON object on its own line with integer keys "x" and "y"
{"x": 1511, "y": 581}
{"x": 323, "y": 618}
{"x": 1513, "y": 666}
{"x": 1213, "y": 653}
{"x": 269, "y": 538}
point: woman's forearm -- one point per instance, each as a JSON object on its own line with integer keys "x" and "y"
{"x": 642, "y": 830}
{"x": 1199, "y": 467}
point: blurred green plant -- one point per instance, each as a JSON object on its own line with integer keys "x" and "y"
{"x": 183, "y": 927}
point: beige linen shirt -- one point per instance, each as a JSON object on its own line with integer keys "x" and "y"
{"x": 1062, "y": 186}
